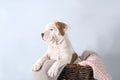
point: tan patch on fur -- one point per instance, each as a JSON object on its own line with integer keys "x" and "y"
{"x": 74, "y": 58}
{"x": 61, "y": 27}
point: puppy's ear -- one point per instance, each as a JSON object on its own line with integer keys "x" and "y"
{"x": 62, "y": 27}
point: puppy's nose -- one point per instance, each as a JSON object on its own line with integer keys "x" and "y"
{"x": 42, "y": 34}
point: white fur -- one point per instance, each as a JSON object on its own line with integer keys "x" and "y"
{"x": 59, "y": 49}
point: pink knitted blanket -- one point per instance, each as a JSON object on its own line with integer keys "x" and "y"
{"x": 94, "y": 60}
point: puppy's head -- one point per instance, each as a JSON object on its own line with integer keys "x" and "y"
{"x": 54, "y": 31}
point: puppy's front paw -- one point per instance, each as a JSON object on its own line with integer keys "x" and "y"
{"x": 52, "y": 72}
{"x": 36, "y": 67}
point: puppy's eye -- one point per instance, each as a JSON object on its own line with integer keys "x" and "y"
{"x": 51, "y": 29}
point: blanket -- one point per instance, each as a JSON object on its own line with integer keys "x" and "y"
{"x": 87, "y": 58}
{"x": 95, "y": 61}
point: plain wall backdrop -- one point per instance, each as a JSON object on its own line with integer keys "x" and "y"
{"x": 95, "y": 25}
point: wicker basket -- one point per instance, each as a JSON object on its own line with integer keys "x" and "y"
{"x": 76, "y": 72}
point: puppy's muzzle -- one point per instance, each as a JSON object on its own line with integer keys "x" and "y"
{"x": 42, "y": 34}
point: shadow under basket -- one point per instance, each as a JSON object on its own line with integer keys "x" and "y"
{"x": 76, "y": 72}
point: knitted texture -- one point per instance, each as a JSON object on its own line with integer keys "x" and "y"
{"x": 94, "y": 60}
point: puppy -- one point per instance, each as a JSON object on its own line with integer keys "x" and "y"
{"x": 59, "y": 48}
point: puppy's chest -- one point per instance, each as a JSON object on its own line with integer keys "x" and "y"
{"x": 55, "y": 53}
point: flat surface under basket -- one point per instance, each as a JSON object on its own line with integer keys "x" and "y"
{"x": 76, "y": 72}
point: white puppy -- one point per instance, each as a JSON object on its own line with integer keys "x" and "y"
{"x": 59, "y": 49}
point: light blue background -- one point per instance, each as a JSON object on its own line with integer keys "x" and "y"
{"x": 95, "y": 25}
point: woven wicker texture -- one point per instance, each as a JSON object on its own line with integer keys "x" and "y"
{"x": 76, "y": 72}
